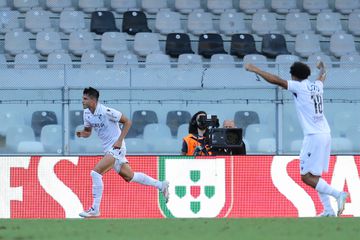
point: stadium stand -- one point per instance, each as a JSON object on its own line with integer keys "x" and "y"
{"x": 102, "y": 21}
{"x": 210, "y": 44}
{"x": 273, "y": 45}
{"x": 242, "y": 44}
{"x": 135, "y": 22}
{"x": 177, "y": 44}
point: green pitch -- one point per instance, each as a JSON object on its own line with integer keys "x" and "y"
{"x": 182, "y": 229}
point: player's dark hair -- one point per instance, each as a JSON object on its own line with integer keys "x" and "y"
{"x": 91, "y": 92}
{"x": 193, "y": 126}
{"x": 300, "y": 70}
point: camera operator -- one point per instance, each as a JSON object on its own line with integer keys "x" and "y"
{"x": 195, "y": 143}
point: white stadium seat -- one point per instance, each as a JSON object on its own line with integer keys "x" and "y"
{"x": 25, "y": 5}
{"x": 200, "y": 22}
{"x": 30, "y": 147}
{"x": 264, "y": 22}
{"x": 113, "y": 42}
{"x": 341, "y": 44}
{"x": 37, "y": 20}
{"x": 71, "y": 21}
{"x": 307, "y": 44}
{"x": 187, "y": 6}
{"x": 168, "y": 22}
{"x": 80, "y": 42}
{"x": 314, "y": 7}
{"x": 146, "y": 43}
{"x": 122, "y": 60}
{"x": 48, "y": 42}
{"x": 354, "y": 23}
{"x": 8, "y": 20}
{"x": 18, "y": 133}
{"x": 89, "y": 6}
{"x": 157, "y": 60}
{"x": 222, "y": 61}
{"x": 188, "y": 60}
{"x": 232, "y": 23}
{"x": 328, "y": 23}
{"x": 153, "y": 6}
{"x": 350, "y": 61}
{"x": 17, "y": 42}
{"x": 219, "y": 6}
{"x": 346, "y": 6}
{"x": 251, "y": 6}
{"x": 58, "y": 6}
{"x": 51, "y": 137}
{"x": 56, "y": 60}
{"x": 122, "y": 6}
{"x": 283, "y": 6}
{"x": 256, "y": 59}
{"x": 26, "y": 61}
{"x": 93, "y": 60}
{"x": 297, "y": 22}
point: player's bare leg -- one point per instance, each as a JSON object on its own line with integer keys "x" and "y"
{"x": 102, "y": 167}
{"x": 324, "y": 190}
{"x": 128, "y": 175}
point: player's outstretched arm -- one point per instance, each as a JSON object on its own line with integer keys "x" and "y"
{"x": 271, "y": 78}
{"x": 322, "y": 71}
{"x": 124, "y": 131}
{"x": 84, "y": 133}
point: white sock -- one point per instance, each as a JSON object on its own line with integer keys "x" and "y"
{"x": 324, "y": 187}
{"x": 97, "y": 189}
{"x": 144, "y": 179}
{"x": 325, "y": 200}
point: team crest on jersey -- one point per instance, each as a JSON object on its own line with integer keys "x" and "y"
{"x": 198, "y": 187}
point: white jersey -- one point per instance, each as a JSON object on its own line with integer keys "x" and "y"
{"x": 308, "y": 97}
{"x": 105, "y": 122}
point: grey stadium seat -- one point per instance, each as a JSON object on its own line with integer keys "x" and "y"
{"x": 93, "y": 60}
{"x": 122, "y": 6}
{"x": 25, "y": 5}
{"x": 146, "y": 43}
{"x": 219, "y": 6}
{"x": 251, "y": 6}
{"x": 328, "y": 23}
{"x": 80, "y": 42}
{"x": 298, "y": 22}
{"x": 58, "y": 6}
{"x": 71, "y": 21}
{"x": 157, "y": 60}
{"x": 168, "y": 22}
{"x": 17, "y": 42}
{"x": 341, "y": 44}
{"x": 232, "y": 23}
{"x": 200, "y": 23}
{"x": 37, "y": 20}
{"x": 8, "y": 20}
{"x": 113, "y": 42}
{"x": 346, "y": 6}
{"x": 264, "y": 22}
{"x": 187, "y": 6}
{"x": 153, "y": 6}
{"x": 354, "y": 23}
{"x": 307, "y": 44}
{"x": 26, "y": 61}
{"x": 314, "y": 7}
{"x": 89, "y": 6}
{"x": 57, "y": 60}
{"x": 48, "y": 42}
{"x": 283, "y": 6}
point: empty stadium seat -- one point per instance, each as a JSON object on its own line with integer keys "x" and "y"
{"x": 177, "y": 44}
{"x": 266, "y": 145}
{"x": 93, "y": 59}
{"x": 222, "y": 61}
{"x": 168, "y": 22}
{"x": 297, "y": 22}
{"x": 242, "y": 44}
{"x": 314, "y": 7}
{"x": 243, "y": 119}
{"x": 307, "y": 44}
{"x": 273, "y": 45}
{"x": 346, "y": 6}
{"x": 200, "y": 22}
{"x": 8, "y": 118}
{"x": 232, "y": 23}
{"x": 283, "y": 6}
{"x": 26, "y": 61}
{"x": 102, "y": 21}
{"x": 187, "y": 6}
{"x": 157, "y": 60}
{"x": 30, "y": 147}
{"x": 8, "y": 20}
{"x": 113, "y": 42}
{"x": 16, "y": 134}
{"x": 122, "y": 6}
{"x": 153, "y": 6}
{"x": 48, "y": 42}
{"x": 255, "y": 132}
{"x": 17, "y": 42}
{"x": 52, "y": 137}
{"x": 80, "y": 42}
{"x": 328, "y": 23}
{"x": 251, "y": 6}
{"x": 89, "y": 6}
{"x": 41, "y": 118}
{"x": 146, "y": 43}
{"x": 188, "y": 60}
{"x": 134, "y": 22}
{"x": 75, "y": 119}
{"x": 264, "y": 22}
{"x": 210, "y": 44}
{"x": 58, "y": 6}
{"x": 124, "y": 59}
{"x": 354, "y": 23}
{"x": 156, "y": 130}
{"x": 37, "y": 20}
{"x": 71, "y": 21}
{"x": 136, "y": 145}
{"x": 316, "y": 57}
{"x": 140, "y": 119}
{"x": 58, "y": 60}
{"x": 256, "y": 59}
{"x": 350, "y": 60}
{"x": 176, "y": 118}
{"x": 25, "y": 5}
{"x": 341, "y": 44}
{"x": 219, "y": 6}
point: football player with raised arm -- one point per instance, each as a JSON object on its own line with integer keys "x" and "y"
{"x": 315, "y": 151}
{"x": 105, "y": 122}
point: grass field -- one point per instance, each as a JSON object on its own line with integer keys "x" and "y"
{"x": 182, "y": 229}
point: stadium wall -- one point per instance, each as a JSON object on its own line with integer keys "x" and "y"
{"x": 222, "y": 187}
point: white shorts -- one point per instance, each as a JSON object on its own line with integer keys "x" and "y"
{"x": 315, "y": 154}
{"x": 120, "y": 158}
